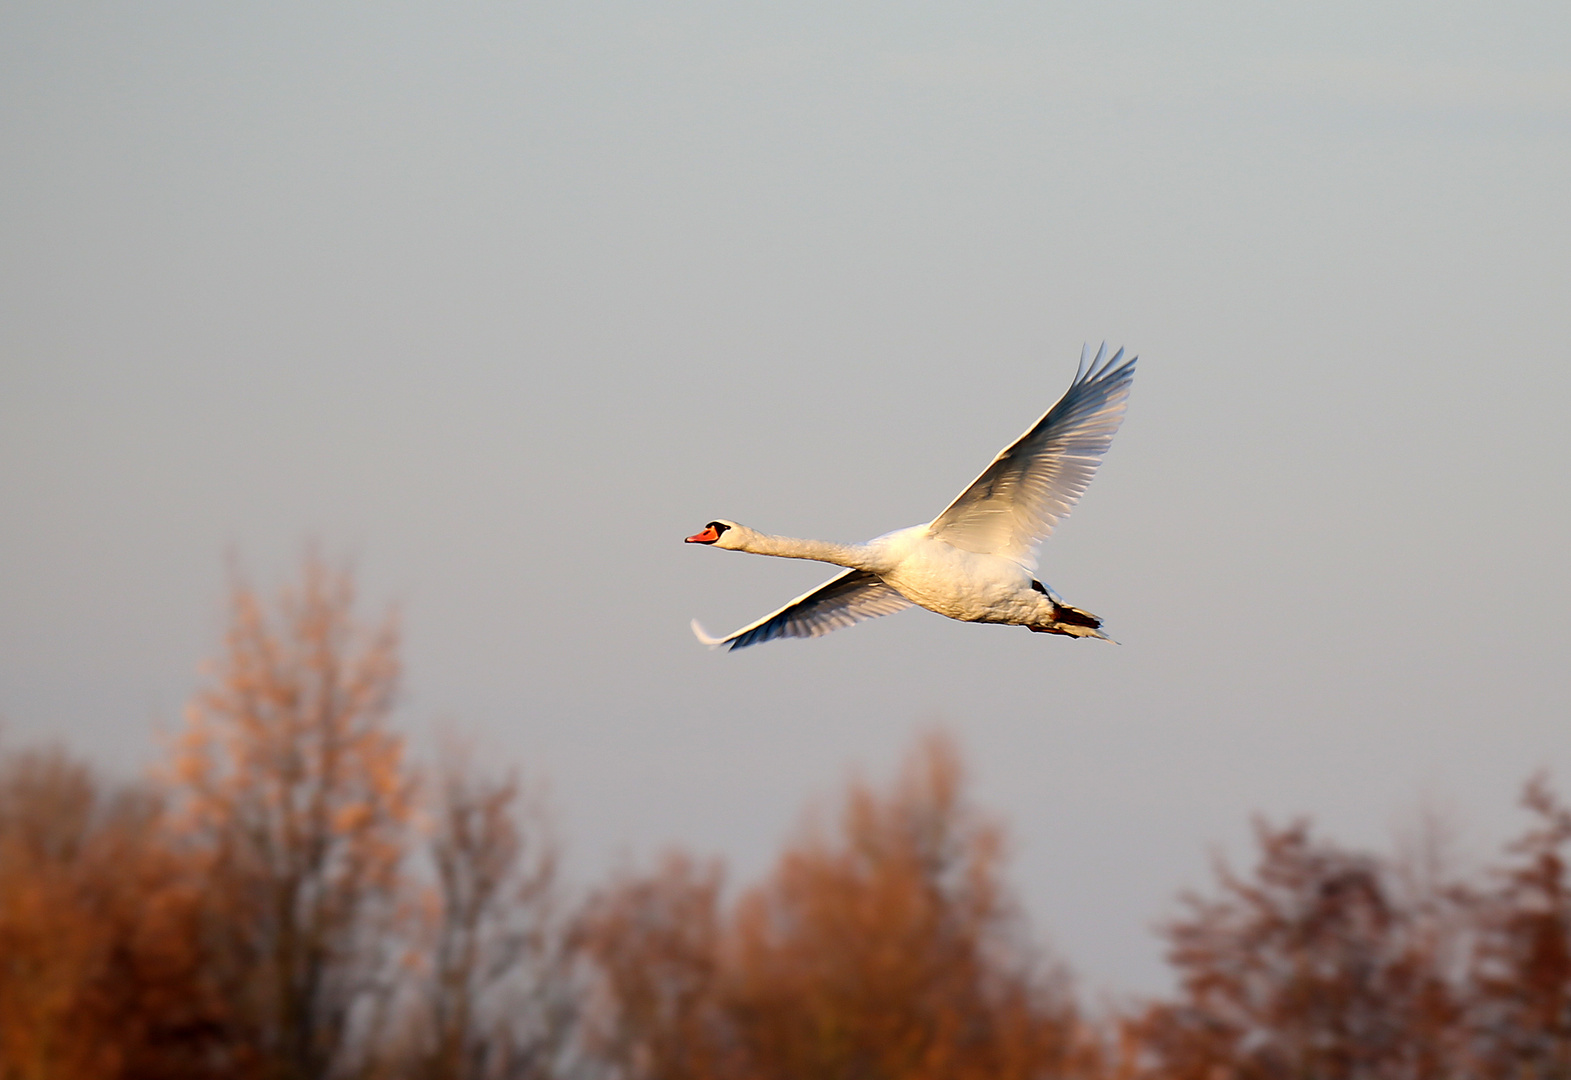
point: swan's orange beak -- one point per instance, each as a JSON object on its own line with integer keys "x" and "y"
{"x": 708, "y": 536}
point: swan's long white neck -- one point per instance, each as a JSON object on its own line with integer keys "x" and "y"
{"x": 856, "y": 556}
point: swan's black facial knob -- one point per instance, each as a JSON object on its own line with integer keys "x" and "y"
{"x": 711, "y": 533}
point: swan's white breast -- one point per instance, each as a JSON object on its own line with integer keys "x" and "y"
{"x": 961, "y": 584}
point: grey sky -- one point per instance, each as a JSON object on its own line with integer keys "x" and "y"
{"x": 505, "y": 299}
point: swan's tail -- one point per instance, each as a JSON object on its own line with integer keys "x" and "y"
{"x": 1072, "y": 622}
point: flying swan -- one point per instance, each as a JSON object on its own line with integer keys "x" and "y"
{"x": 976, "y": 561}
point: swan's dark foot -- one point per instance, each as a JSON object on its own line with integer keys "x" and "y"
{"x": 1062, "y": 613}
{"x": 1072, "y": 622}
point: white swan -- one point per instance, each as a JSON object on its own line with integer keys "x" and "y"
{"x": 977, "y": 560}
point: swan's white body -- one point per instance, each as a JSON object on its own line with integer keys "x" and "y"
{"x": 974, "y": 562}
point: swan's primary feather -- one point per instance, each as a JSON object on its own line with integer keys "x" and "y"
{"x": 1035, "y": 481}
{"x": 843, "y": 600}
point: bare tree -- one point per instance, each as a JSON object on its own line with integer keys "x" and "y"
{"x": 496, "y": 999}
{"x": 297, "y": 794}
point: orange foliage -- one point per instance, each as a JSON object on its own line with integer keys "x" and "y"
{"x": 1312, "y": 967}
{"x": 657, "y": 942}
{"x": 1521, "y": 977}
{"x": 888, "y": 949}
{"x": 102, "y": 976}
{"x": 297, "y": 794}
{"x": 892, "y": 949}
{"x": 263, "y": 928}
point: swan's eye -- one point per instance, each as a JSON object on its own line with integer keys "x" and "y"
{"x": 719, "y": 527}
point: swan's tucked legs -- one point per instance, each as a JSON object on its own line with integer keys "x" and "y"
{"x": 1047, "y": 592}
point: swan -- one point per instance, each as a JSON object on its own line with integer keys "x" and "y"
{"x": 976, "y": 561}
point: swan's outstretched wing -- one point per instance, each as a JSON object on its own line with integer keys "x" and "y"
{"x": 1035, "y": 481}
{"x": 844, "y": 599}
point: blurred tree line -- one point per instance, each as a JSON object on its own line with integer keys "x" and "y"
{"x": 292, "y": 899}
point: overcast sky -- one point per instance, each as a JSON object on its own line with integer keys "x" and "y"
{"x": 501, "y": 300}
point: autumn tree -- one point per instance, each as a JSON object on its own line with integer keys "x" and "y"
{"x": 886, "y": 947}
{"x": 890, "y": 947}
{"x": 102, "y": 976}
{"x": 1520, "y": 981}
{"x": 297, "y": 795}
{"x": 1314, "y": 966}
{"x": 658, "y": 1010}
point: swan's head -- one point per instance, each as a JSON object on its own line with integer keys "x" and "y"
{"x": 725, "y": 534}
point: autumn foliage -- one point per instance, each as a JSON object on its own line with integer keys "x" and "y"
{"x": 292, "y": 898}
{"x": 1315, "y": 965}
{"x": 103, "y": 968}
{"x": 296, "y": 803}
{"x": 887, "y": 946}
{"x": 891, "y": 946}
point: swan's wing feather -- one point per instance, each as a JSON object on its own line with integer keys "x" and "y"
{"x": 847, "y": 598}
{"x": 1035, "y": 481}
